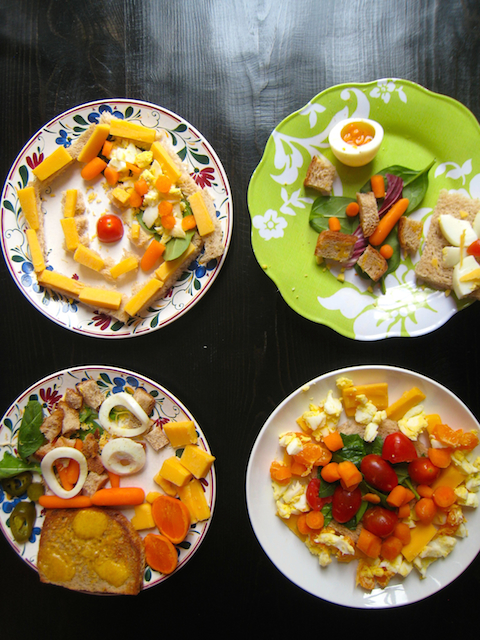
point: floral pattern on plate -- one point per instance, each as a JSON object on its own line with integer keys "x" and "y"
{"x": 48, "y": 392}
{"x": 280, "y": 205}
{"x": 205, "y": 168}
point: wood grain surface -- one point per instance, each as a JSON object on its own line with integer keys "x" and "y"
{"x": 234, "y": 70}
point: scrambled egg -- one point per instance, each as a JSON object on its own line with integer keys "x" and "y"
{"x": 290, "y": 499}
{"x": 439, "y": 547}
{"x": 413, "y": 422}
{"x": 368, "y": 415}
{"x": 323, "y": 419}
{"x": 293, "y": 442}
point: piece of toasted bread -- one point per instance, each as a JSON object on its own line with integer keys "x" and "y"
{"x": 368, "y": 212}
{"x": 409, "y": 234}
{"x": 372, "y": 263}
{"x": 320, "y": 175}
{"x": 431, "y": 268}
{"x": 335, "y": 245}
{"x": 93, "y": 550}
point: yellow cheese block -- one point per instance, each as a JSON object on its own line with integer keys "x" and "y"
{"x": 174, "y": 471}
{"x": 57, "y": 160}
{"x": 28, "y": 202}
{"x": 94, "y": 144}
{"x": 193, "y": 497}
{"x": 70, "y": 203}
{"x": 126, "y": 265}
{"x": 88, "y": 257}
{"x": 167, "y": 163}
{"x": 170, "y": 266}
{"x": 101, "y": 298}
{"x": 132, "y": 131}
{"x": 420, "y": 537}
{"x": 196, "y": 460}
{"x": 35, "y": 250}
{"x": 152, "y": 496}
{"x": 70, "y": 232}
{"x": 143, "y": 518}
{"x": 408, "y": 399}
{"x": 181, "y": 433}
{"x": 121, "y": 196}
{"x": 140, "y": 299}
{"x": 168, "y": 487}
{"x": 377, "y": 393}
{"x": 449, "y": 477}
{"x": 135, "y": 230}
{"x": 59, "y": 282}
{"x": 204, "y": 222}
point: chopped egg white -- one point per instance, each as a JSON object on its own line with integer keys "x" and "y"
{"x": 290, "y": 499}
{"x": 368, "y": 415}
{"x": 414, "y": 422}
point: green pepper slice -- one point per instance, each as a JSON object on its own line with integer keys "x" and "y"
{"x": 17, "y": 485}
{"x": 22, "y": 520}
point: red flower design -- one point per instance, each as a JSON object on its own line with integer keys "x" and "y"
{"x": 204, "y": 178}
{"x": 101, "y": 320}
{"x": 35, "y": 160}
{"x": 50, "y": 396}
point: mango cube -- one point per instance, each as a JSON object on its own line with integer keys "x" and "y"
{"x": 174, "y": 471}
{"x": 193, "y": 496}
{"x": 181, "y": 433}
{"x": 143, "y": 518}
{"x": 196, "y": 460}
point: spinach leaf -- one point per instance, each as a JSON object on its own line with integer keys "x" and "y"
{"x": 326, "y": 489}
{"x": 88, "y": 417}
{"x": 327, "y": 513}
{"x": 176, "y": 246}
{"x": 326, "y": 207}
{"x": 30, "y": 438}
{"x": 11, "y": 466}
{"x": 353, "y": 449}
{"x": 394, "y": 261}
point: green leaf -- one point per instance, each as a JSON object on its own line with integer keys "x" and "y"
{"x": 80, "y": 120}
{"x": 180, "y": 128}
{"x": 11, "y": 466}
{"x": 327, "y": 513}
{"x": 105, "y": 378}
{"x": 200, "y": 158}
{"x": 326, "y": 207}
{"x": 176, "y": 246}
{"x": 30, "y": 438}
{"x": 23, "y": 171}
{"x": 18, "y": 259}
{"x": 128, "y": 112}
{"x": 353, "y": 449}
{"x": 8, "y": 205}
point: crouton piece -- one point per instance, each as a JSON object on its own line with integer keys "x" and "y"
{"x": 71, "y": 419}
{"x": 144, "y": 399}
{"x": 73, "y": 399}
{"x": 94, "y": 482}
{"x": 42, "y": 451}
{"x": 90, "y": 446}
{"x": 52, "y": 424}
{"x": 91, "y": 393}
{"x": 335, "y": 245}
{"x": 320, "y": 175}
{"x": 409, "y": 234}
{"x": 372, "y": 263}
{"x": 95, "y": 464}
{"x": 156, "y": 438}
{"x": 368, "y": 212}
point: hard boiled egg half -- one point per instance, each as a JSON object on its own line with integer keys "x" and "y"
{"x": 356, "y": 141}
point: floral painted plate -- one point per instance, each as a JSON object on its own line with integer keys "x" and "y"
{"x": 192, "y": 148}
{"x": 336, "y": 582}
{"x": 420, "y": 127}
{"x": 111, "y": 380}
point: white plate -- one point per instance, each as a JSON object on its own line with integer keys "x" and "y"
{"x": 336, "y": 583}
{"x": 205, "y": 168}
{"x": 48, "y": 392}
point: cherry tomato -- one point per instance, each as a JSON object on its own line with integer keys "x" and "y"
{"x": 398, "y": 448}
{"x": 314, "y": 501}
{"x": 345, "y": 504}
{"x": 474, "y": 249}
{"x": 422, "y": 471}
{"x": 379, "y": 473}
{"x": 109, "y": 228}
{"x": 380, "y": 521}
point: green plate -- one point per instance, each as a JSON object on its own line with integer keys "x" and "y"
{"x": 420, "y": 126}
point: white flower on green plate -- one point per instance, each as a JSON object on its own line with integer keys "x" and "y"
{"x": 311, "y": 110}
{"x": 270, "y": 225}
{"x": 385, "y": 89}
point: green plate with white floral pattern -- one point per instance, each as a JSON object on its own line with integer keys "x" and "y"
{"x": 420, "y": 127}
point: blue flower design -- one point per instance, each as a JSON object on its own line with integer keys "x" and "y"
{"x": 201, "y": 269}
{"x": 120, "y": 384}
{"x": 94, "y": 117}
{"x": 35, "y": 532}
{"x": 26, "y": 279}
{"x": 63, "y": 139}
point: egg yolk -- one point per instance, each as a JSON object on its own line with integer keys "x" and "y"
{"x": 357, "y": 133}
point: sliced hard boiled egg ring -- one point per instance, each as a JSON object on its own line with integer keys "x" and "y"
{"x": 49, "y": 474}
{"x": 125, "y": 400}
{"x": 123, "y": 456}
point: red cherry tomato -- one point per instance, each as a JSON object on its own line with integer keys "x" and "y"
{"x": 345, "y": 504}
{"x": 109, "y": 228}
{"x": 398, "y": 448}
{"x": 379, "y": 473}
{"x": 380, "y": 521}
{"x": 474, "y": 249}
{"x": 314, "y": 501}
{"x": 422, "y": 471}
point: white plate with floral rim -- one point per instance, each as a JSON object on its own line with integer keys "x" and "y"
{"x": 415, "y": 121}
{"x": 336, "y": 582}
{"x": 48, "y": 392}
{"x": 192, "y": 148}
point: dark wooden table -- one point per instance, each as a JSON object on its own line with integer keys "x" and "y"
{"x": 233, "y": 70}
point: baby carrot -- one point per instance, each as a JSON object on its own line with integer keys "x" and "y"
{"x": 118, "y": 496}
{"x": 315, "y": 519}
{"x": 352, "y": 209}
{"x": 163, "y": 184}
{"x": 54, "y": 502}
{"x": 388, "y": 221}
{"x": 378, "y": 186}
{"x": 188, "y": 222}
{"x": 152, "y": 254}
{"x": 334, "y": 224}
{"x": 444, "y": 496}
{"x": 111, "y": 175}
{"x": 141, "y": 186}
{"x": 135, "y": 199}
{"x": 107, "y": 148}
{"x": 440, "y": 457}
{"x": 386, "y": 251}
{"x": 93, "y": 168}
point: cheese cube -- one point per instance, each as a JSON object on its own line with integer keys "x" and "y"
{"x": 143, "y": 297}
{"x": 28, "y": 202}
{"x": 196, "y": 460}
{"x": 421, "y": 535}
{"x": 59, "y": 282}
{"x": 94, "y": 144}
{"x": 120, "y": 197}
{"x": 174, "y": 471}
{"x": 165, "y": 160}
{"x": 132, "y": 131}
{"x": 70, "y": 232}
{"x": 88, "y": 257}
{"x": 101, "y": 298}
{"x": 70, "y": 203}
{"x": 170, "y": 266}
{"x": 449, "y": 477}
{"x": 193, "y": 496}
{"x": 143, "y": 518}
{"x": 168, "y": 487}
{"x": 181, "y": 433}
{"x": 57, "y": 160}
{"x": 135, "y": 230}
{"x": 126, "y": 265}
{"x": 152, "y": 496}
{"x": 407, "y": 401}
{"x": 35, "y": 250}
{"x": 204, "y": 222}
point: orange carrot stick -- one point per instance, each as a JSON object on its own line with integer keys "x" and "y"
{"x": 152, "y": 255}
{"x": 352, "y": 209}
{"x": 378, "y": 186}
{"x": 118, "y": 496}
{"x": 334, "y": 224}
{"x": 93, "y": 168}
{"x": 388, "y": 221}
{"x": 54, "y": 502}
